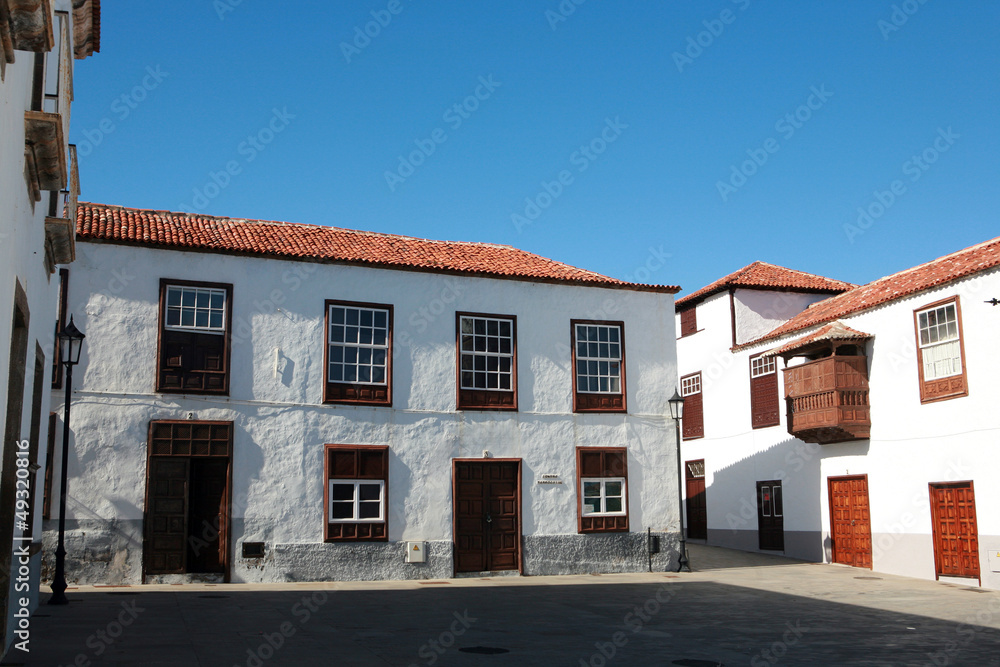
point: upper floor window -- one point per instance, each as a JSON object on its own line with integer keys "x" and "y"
{"x": 194, "y": 337}
{"x": 487, "y": 358}
{"x": 598, "y": 366}
{"x": 940, "y": 354}
{"x": 689, "y": 321}
{"x": 764, "y": 392}
{"x": 693, "y": 422}
{"x": 358, "y": 353}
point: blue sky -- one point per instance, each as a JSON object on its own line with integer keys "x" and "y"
{"x": 666, "y": 142}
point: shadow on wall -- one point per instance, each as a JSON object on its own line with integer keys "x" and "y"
{"x": 772, "y": 500}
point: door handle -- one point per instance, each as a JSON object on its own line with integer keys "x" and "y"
{"x": 489, "y": 518}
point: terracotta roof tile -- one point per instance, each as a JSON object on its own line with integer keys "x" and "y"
{"x": 180, "y": 231}
{"x": 833, "y": 331}
{"x": 761, "y": 275}
{"x": 890, "y": 288}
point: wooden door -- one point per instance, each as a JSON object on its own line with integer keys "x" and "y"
{"x": 956, "y": 535}
{"x": 770, "y": 516}
{"x": 697, "y": 514}
{"x": 207, "y": 515}
{"x": 487, "y": 515}
{"x": 850, "y": 521}
{"x": 166, "y": 515}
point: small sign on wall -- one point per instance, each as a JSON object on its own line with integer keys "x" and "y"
{"x": 994, "y": 560}
{"x": 549, "y": 478}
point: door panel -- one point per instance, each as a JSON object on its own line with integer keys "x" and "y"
{"x": 956, "y": 535}
{"x": 697, "y": 513}
{"x": 850, "y": 521}
{"x": 166, "y": 522}
{"x": 487, "y": 516}
{"x": 770, "y": 516}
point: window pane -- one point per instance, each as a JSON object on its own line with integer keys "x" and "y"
{"x": 173, "y": 316}
{"x": 337, "y": 315}
{"x": 341, "y": 510}
{"x": 352, "y": 316}
{"x": 188, "y": 298}
{"x": 364, "y": 374}
{"x": 613, "y": 489}
{"x": 173, "y": 297}
{"x": 367, "y": 317}
{"x": 591, "y": 489}
{"x": 203, "y": 298}
{"x": 369, "y": 491}
{"x": 342, "y": 492}
{"x": 216, "y": 322}
{"x": 187, "y": 318}
{"x": 613, "y": 504}
{"x": 378, "y": 375}
{"x": 336, "y": 373}
{"x": 369, "y": 510}
{"x": 381, "y": 319}
{"x": 201, "y": 318}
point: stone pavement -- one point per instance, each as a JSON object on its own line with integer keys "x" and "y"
{"x": 734, "y": 609}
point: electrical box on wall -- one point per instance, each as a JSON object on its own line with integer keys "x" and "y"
{"x": 416, "y": 552}
{"x": 994, "y": 560}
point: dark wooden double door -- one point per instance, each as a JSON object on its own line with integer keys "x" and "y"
{"x": 487, "y": 496}
{"x": 187, "y": 498}
{"x": 770, "y": 516}
{"x": 850, "y": 521}
{"x": 697, "y": 509}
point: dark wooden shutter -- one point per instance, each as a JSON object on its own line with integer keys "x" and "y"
{"x": 166, "y": 524}
{"x": 689, "y": 321}
{"x": 357, "y": 463}
{"x": 764, "y": 400}
{"x": 602, "y": 462}
{"x": 193, "y": 362}
{"x": 693, "y": 422}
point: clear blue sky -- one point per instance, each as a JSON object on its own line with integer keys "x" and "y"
{"x": 662, "y": 131}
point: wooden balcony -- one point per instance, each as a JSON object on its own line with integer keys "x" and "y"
{"x": 26, "y": 26}
{"x": 827, "y": 399}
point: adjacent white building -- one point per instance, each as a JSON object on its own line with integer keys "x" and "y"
{"x": 881, "y": 453}
{"x": 39, "y": 41}
{"x": 266, "y": 401}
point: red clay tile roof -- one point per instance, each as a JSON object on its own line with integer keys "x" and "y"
{"x": 905, "y": 283}
{"x": 761, "y": 275}
{"x": 833, "y": 331}
{"x": 180, "y": 231}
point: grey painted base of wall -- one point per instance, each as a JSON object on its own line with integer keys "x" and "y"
{"x": 110, "y": 552}
{"x": 801, "y": 544}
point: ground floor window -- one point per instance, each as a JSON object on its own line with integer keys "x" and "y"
{"x": 602, "y": 474}
{"x": 357, "y": 481}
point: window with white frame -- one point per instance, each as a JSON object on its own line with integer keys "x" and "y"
{"x": 761, "y": 366}
{"x": 693, "y": 422}
{"x": 691, "y": 385}
{"x": 603, "y": 496}
{"x": 200, "y": 309}
{"x": 940, "y": 348}
{"x": 598, "y": 359}
{"x": 487, "y": 353}
{"x": 358, "y": 344}
{"x": 357, "y": 500}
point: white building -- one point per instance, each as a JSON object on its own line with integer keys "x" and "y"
{"x": 38, "y": 43}
{"x": 888, "y": 462}
{"x": 265, "y": 401}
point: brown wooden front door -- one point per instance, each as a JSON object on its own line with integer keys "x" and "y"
{"x": 487, "y": 515}
{"x": 770, "y": 516}
{"x": 956, "y": 535}
{"x": 850, "y": 521}
{"x": 697, "y": 514}
{"x": 187, "y": 498}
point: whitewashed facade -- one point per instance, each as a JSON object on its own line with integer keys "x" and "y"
{"x": 38, "y": 44}
{"x": 929, "y": 439}
{"x": 280, "y": 497}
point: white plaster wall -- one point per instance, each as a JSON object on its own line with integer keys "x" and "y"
{"x": 761, "y": 311}
{"x": 281, "y": 424}
{"x": 911, "y": 444}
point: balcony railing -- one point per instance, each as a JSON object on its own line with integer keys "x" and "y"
{"x": 827, "y": 399}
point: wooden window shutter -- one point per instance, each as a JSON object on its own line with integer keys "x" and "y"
{"x": 694, "y": 420}
{"x": 764, "y": 400}
{"x": 689, "y": 321}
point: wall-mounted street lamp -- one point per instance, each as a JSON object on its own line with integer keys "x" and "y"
{"x": 70, "y": 346}
{"x": 676, "y": 404}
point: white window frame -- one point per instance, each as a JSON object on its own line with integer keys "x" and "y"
{"x": 583, "y": 379}
{"x": 217, "y": 331}
{"x": 763, "y": 365}
{"x": 356, "y": 483}
{"x": 463, "y": 353}
{"x": 954, "y": 339}
{"x": 358, "y": 346}
{"x": 691, "y": 385}
{"x": 603, "y": 481}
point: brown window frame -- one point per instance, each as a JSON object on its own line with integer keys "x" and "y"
{"x": 356, "y": 531}
{"x": 956, "y": 385}
{"x": 609, "y": 459}
{"x": 760, "y": 416}
{"x": 688, "y": 321}
{"x": 689, "y": 430}
{"x": 485, "y": 399}
{"x": 227, "y": 338}
{"x": 354, "y": 393}
{"x": 598, "y": 402}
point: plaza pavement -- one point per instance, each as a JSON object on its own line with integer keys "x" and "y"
{"x": 734, "y": 609}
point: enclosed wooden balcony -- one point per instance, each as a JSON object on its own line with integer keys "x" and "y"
{"x": 827, "y": 395}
